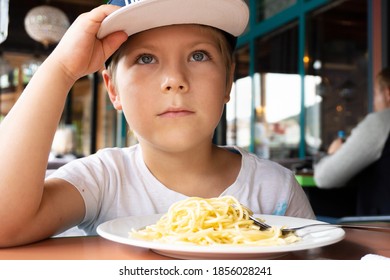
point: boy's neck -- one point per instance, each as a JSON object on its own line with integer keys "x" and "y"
{"x": 203, "y": 172}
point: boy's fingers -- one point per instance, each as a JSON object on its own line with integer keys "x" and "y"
{"x": 101, "y": 12}
{"x": 112, "y": 42}
{"x": 92, "y": 19}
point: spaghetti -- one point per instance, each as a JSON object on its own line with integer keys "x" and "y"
{"x": 211, "y": 221}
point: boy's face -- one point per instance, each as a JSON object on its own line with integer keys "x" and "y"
{"x": 171, "y": 85}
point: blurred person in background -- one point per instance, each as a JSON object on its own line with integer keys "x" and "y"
{"x": 363, "y": 160}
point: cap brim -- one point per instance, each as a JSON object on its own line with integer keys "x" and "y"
{"x": 230, "y": 16}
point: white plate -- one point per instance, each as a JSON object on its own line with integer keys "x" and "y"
{"x": 118, "y": 230}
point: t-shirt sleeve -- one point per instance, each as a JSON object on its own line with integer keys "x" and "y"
{"x": 86, "y": 175}
{"x": 299, "y": 205}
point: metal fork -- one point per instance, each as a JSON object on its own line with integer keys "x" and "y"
{"x": 257, "y": 222}
{"x": 286, "y": 231}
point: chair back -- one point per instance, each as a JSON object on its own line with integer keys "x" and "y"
{"x": 373, "y": 183}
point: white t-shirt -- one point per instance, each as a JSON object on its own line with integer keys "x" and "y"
{"x": 115, "y": 182}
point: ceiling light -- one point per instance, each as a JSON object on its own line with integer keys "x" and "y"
{"x": 46, "y": 24}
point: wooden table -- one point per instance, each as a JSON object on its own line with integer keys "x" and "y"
{"x": 356, "y": 244}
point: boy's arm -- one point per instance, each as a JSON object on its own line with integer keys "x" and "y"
{"x": 31, "y": 209}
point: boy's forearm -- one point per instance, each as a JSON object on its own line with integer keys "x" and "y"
{"x": 25, "y": 142}
{"x": 27, "y": 132}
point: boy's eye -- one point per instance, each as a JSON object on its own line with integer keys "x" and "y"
{"x": 199, "y": 56}
{"x": 145, "y": 59}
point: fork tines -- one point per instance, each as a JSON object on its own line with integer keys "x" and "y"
{"x": 263, "y": 226}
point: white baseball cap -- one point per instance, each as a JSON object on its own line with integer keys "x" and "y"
{"x": 135, "y": 16}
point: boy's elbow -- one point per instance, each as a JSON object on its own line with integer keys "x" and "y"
{"x": 16, "y": 235}
{"x": 7, "y": 239}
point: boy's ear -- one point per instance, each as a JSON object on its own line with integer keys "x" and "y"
{"x": 229, "y": 82}
{"x": 111, "y": 90}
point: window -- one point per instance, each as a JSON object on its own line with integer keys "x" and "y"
{"x": 268, "y": 8}
{"x": 337, "y": 53}
{"x": 277, "y": 128}
{"x": 239, "y": 108}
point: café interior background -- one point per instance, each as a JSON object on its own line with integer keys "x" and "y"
{"x": 304, "y": 71}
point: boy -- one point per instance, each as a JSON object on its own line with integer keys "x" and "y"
{"x": 171, "y": 76}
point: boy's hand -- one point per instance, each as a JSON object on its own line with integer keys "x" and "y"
{"x": 79, "y": 52}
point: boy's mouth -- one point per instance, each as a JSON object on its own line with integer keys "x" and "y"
{"x": 175, "y": 113}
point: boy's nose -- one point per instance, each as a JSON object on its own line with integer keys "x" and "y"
{"x": 170, "y": 86}
{"x": 174, "y": 81}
